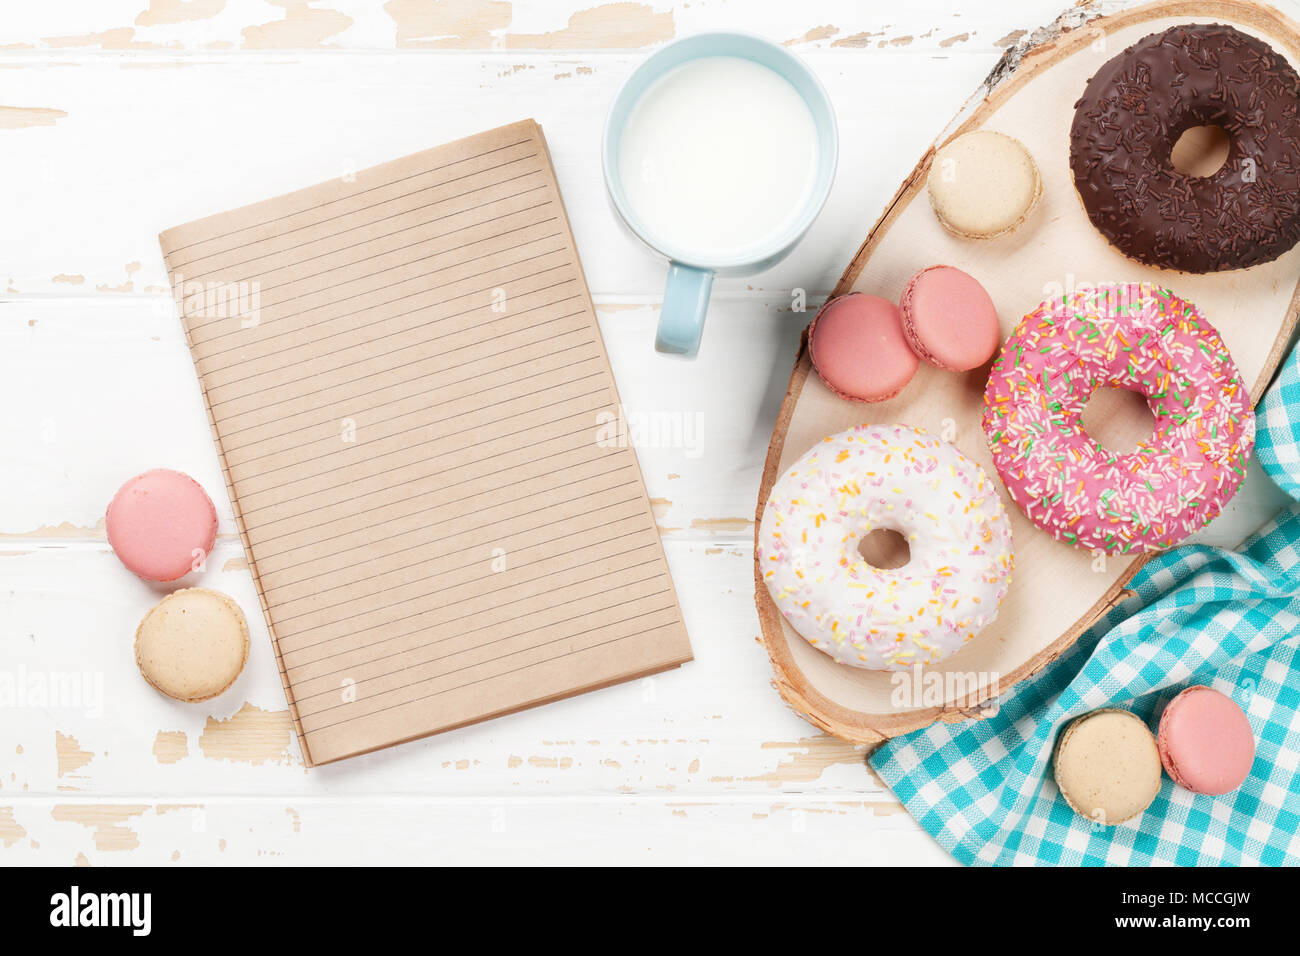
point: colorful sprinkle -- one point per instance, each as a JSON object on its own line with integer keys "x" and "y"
{"x": 902, "y": 479}
{"x": 1146, "y": 340}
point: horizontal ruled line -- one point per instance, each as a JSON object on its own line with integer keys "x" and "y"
{"x": 425, "y": 494}
{"x": 549, "y": 489}
{"x": 505, "y": 587}
{"x": 449, "y": 690}
{"x": 409, "y": 347}
{"x": 360, "y": 411}
{"x": 543, "y": 441}
{"x": 424, "y": 308}
{"x": 429, "y": 374}
{"x": 438, "y": 438}
{"x": 421, "y": 426}
{"x": 473, "y": 630}
{"x": 465, "y": 617}
{"x": 282, "y": 604}
{"x": 431, "y": 660}
{"x": 440, "y": 609}
{"x": 388, "y": 252}
{"x": 328, "y": 202}
{"x": 460, "y": 261}
{"x": 366, "y": 224}
{"x": 565, "y": 451}
{"x": 277, "y": 320}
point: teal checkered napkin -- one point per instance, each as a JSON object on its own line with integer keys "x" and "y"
{"x": 1277, "y": 440}
{"x": 1200, "y": 615}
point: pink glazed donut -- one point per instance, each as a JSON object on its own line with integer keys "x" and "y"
{"x": 1137, "y": 337}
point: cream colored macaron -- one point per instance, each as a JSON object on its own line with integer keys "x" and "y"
{"x": 1108, "y": 766}
{"x": 983, "y": 184}
{"x": 192, "y": 644}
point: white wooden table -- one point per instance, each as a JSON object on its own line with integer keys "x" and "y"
{"x": 122, "y": 117}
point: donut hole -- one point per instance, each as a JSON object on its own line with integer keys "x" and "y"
{"x": 885, "y": 548}
{"x": 1118, "y": 419}
{"x": 1200, "y": 151}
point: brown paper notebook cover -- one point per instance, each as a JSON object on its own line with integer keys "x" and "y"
{"x": 422, "y": 440}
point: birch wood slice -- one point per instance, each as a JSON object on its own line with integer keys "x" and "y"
{"x": 1057, "y": 591}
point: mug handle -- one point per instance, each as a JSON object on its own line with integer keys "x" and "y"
{"x": 686, "y": 300}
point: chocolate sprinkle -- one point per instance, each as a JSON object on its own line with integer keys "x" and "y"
{"x": 1133, "y": 111}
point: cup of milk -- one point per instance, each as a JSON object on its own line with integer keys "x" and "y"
{"x": 719, "y": 152}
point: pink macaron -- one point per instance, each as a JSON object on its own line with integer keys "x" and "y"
{"x": 161, "y": 524}
{"x": 949, "y": 319}
{"x": 1205, "y": 741}
{"x": 857, "y": 347}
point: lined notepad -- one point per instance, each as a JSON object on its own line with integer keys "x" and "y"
{"x": 422, "y": 440}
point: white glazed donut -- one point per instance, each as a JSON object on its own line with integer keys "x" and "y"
{"x": 903, "y": 479}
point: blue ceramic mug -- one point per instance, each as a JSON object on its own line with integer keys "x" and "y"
{"x": 686, "y": 297}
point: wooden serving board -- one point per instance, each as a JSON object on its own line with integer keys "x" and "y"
{"x": 1057, "y": 591}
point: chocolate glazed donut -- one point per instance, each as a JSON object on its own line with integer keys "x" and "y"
{"x": 1133, "y": 111}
